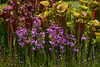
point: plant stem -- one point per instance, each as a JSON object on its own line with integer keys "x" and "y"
{"x": 90, "y": 45}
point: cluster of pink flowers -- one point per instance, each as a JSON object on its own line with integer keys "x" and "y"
{"x": 36, "y": 36}
{"x": 58, "y": 39}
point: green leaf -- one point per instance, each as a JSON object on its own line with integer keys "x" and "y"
{"x": 75, "y": 14}
{"x": 84, "y": 7}
{"x": 44, "y": 15}
{"x": 44, "y": 3}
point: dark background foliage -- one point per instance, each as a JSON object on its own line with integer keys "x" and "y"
{"x": 3, "y": 1}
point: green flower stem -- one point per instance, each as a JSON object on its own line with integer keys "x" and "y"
{"x": 76, "y": 30}
{"x": 8, "y": 35}
{"x": 79, "y": 29}
{"x": 90, "y": 45}
{"x": 82, "y": 53}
